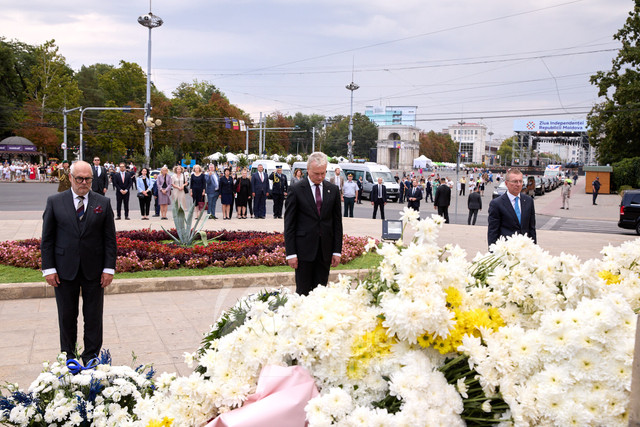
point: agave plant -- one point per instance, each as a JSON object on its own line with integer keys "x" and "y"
{"x": 182, "y": 221}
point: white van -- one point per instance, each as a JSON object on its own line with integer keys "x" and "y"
{"x": 370, "y": 172}
{"x": 331, "y": 168}
{"x": 270, "y": 166}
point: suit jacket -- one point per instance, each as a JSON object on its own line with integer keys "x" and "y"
{"x": 67, "y": 242}
{"x": 101, "y": 182}
{"x": 504, "y": 222}
{"x": 415, "y": 204}
{"x": 474, "y": 201}
{"x": 443, "y": 196}
{"x": 212, "y": 182}
{"x": 332, "y": 180}
{"x": 306, "y": 232}
{"x": 119, "y": 183}
{"x": 257, "y": 186}
{"x": 374, "y": 194}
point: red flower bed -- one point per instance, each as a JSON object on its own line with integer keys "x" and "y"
{"x": 144, "y": 250}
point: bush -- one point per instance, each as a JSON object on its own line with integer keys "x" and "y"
{"x": 626, "y": 172}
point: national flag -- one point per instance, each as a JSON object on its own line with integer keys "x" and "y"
{"x": 236, "y": 125}
{"x": 227, "y": 122}
{"x": 242, "y": 126}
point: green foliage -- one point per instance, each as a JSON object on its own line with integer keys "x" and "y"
{"x": 125, "y": 84}
{"x": 626, "y": 173}
{"x": 16, "y": 62}
{"x": 89, "y": 83}
{"x": 614, "y": 124}
{"x": 506, "y": 151}
{"x": 182, "y": 221}
{"x": 438, "y": 147}
{"x": 165, "y": 156}
{"x": 365, "y": 135}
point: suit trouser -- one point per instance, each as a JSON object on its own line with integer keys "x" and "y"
{"x": 379, "y": 204}
{"x": 120, "y": 199}
{"x": 595, "y": 196}
{"x": 260, "y": 205}
{"x": 310, "y": 274}
{"x": 443, "y": 211}
{"x": 145, "y": 204}
{"x": 212, "y": 199}
{"x": 472, "y": 213}
{"x": 349, "y": 203}
{"x": 67, "y": 299}
{"x": 278, "y": 200}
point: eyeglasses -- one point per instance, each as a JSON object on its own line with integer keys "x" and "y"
{"x": 81, "y": 179}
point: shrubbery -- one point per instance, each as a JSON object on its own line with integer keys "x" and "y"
{"x": 626, "y": 172}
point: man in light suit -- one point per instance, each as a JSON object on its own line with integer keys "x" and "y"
{"x": 212, "y": 189}
{"x": 512, "y": 212}
{"x": 414, "y": 195}
{"x": 313, "y": 226}
{"x": 442, "y": 200}
{"x": 79, "y": 255}
{"x": 122, "y": 182}
{"x": 338, "y": 181}
{"x": 260, "y": 192}
{"x": 378, "y": 198}
{"x": 100, "y": 181}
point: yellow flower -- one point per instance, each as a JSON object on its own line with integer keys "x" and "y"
{"x": 371, "y": 345}
{"x": 166, "y": 422}
{"x": 454, "y": 298}
{"x": 609, "y": 277}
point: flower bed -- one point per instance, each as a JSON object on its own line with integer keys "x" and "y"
{"x": 146, "y": 250}
{"x": 515, "y": 337}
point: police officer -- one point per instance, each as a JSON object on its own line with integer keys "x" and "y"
{"x": 278, "y": 191}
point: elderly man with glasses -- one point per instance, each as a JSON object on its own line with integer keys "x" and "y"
{"x": 79, "y": 256}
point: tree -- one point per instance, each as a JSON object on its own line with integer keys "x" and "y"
{"x": 165, "y": 156}
{"x": 302, "y": 142}
{"x": 506, "y": 151}
{"x": 615, "y": 123}
{"x": 16, "y": 61}
{"x": 438, "y": 147}
{"x": 89, "y": 83}
{"x": 125, "y": 84}
{"x": 50, "y": 88}
{"x": 365, "y": 135}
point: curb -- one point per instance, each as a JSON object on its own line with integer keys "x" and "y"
{"x": 11, "y": 291}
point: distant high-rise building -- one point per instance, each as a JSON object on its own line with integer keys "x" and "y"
{"x": 392, "y": 115}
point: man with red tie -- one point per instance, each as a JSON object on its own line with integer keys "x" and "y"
{"x": 313, "y": 226}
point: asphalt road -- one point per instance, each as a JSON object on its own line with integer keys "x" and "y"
{"x": 30, "y": 198}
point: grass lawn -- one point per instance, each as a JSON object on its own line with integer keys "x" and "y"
{"x": 9, "y": 274}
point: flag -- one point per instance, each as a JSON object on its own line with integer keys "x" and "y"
{"x": 227, "y": 122}
{"x": 242, "y": 126}
{"x": 236, "y": 125}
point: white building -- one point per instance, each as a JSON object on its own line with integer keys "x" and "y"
{"x": 570, "y": 151}
{"x": 472, "y": 138}
{"x": 397, "y": 146}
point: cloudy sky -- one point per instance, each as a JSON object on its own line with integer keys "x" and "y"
{"x": 480, "y": 61}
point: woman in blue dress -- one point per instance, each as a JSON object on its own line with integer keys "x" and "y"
{"x": 226, "y": 193}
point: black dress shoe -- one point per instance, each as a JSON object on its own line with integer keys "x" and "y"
{"x": 118, "y": 218}
{"x": 127, "y": 218}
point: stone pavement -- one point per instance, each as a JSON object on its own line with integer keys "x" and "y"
{"x": 160, "y": 326}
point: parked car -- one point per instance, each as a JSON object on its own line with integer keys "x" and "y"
{"x": 500, "y": 190}
{"x": 630, "y": 210}
{"x": 548, "y": 186}
{"x": 540, "y": 190}
{"x": 529, "y": 186}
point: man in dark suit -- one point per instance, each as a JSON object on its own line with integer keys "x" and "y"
{"x": 378, "y": 198}
{"x": 100, "y": 181}
{"x": 278, "y": 190}
{"x": 79, "y": 255}
{"x": 313, "y": 226}
{"x": 442, "y": 200}
{"x": 122, "y": 183}
{"x": 474, "y": 203}
{"x": 512, "y": 212}
{"x": 414, "y": 195}
{"x": 260, "y": 192}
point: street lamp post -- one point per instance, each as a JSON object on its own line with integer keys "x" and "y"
{"x": 150, "y": 21}
{"x": 455, "y": 187}
{"x": 351, "y": 87}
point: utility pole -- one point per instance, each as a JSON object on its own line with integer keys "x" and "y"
{"x": 313, "y": 139}
{"x": 65, "y": 145}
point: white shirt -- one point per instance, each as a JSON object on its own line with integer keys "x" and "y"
{"x": 512, "y": 199}
{"x": 76, "y": 202}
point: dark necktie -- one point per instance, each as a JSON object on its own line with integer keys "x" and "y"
{"x": 80, "y": 209}
{"x": 318, "y": 199}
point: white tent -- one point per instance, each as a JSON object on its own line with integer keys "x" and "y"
{"x": 215, "y": 156}
{"x": 422, "y": 162}
{"x": 231, "y": 157}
